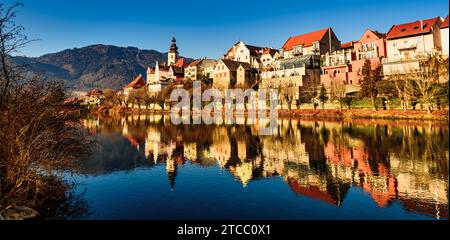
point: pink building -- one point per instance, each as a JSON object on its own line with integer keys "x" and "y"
{"x": 337, "y": 66}
{"x": 344, "y": 66}
{"x": 371, "y": 46}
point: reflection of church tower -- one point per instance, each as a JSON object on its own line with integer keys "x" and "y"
{"x": 173, "y": 52}
{"x": 171, "y": 169}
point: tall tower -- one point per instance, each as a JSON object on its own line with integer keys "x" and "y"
{"x": 173, "y": 52}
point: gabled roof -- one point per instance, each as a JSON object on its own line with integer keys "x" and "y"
{"x": 177, "y": 69}
{"x": 234, "y": 65}
{"x": 181, "y": 62}
{"x": 412, "y": 28}
{"x": 254, "y": 50}
{"x": 445, "y": 23}
{"x": 270, "y": 51}
{"x": 376, "y": 33}
{"x": 305, "y": 39}
{"x": 138, "y": 82}
{"x": 230, "y": 64}
{"x": 245, "y": 65}
{"x": 380, "y": 35}
{"x": 195, "y": 63}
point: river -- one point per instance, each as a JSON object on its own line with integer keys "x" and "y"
{"x": 143, "y": 167}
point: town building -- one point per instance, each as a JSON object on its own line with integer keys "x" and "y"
{"x": 228, "y": 73}
{"x": 94, "y": 97}
{"x": 201, "y": 69}
{"x": 409, "y": 43}
{"x": 337, "y": 66}
{"x": 157, "y": 78}
{"x": 371, "y": 46}
{"x": 137, "y": 86}
{"x": 160, "y": 76}
{"x": 313, "y": 43}
{"x": 269, "y": 56}
{"x": 289, "y": 75}
{"x": 444, "y": 37}
{"x": 344, "y": 66}
{"x": 242, "y": 52}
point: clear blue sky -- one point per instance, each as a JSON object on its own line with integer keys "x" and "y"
{"x": 206, "y": 28}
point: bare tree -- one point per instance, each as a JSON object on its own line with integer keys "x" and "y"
{"x": 110, "y": 96}
{"x": 425, "y": 86}
{"x": 38, "y": 134}
{"x": 338, "y": 93}
{"x": 425, "y": 83}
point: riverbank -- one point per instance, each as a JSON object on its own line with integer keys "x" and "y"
{"x": 438, "y": 115}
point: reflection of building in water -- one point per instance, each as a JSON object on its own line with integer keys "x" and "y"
{"x": 190, "y": 151}
{"x": 320, "y": 160}
{"x": 152, "y": 143}
{"x": 243, "y": 172}
{"x": 220, "y": 148}
{"x": 171, "y": 169}
{"x": 418, "y": 187}
{"x": 92, "y": 124}
{"x": 242, "y": 150}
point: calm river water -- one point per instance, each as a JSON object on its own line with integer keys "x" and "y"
{"x": 146, "y": 168}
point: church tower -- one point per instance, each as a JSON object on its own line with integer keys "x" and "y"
{"x": 173, "y": 52}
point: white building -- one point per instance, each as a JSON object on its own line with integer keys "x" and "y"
{"x": 410, "y": 42}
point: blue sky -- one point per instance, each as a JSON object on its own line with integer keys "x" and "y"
{"x": 206, "y": 28}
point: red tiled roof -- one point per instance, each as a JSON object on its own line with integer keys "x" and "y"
{"x": 412, "y": 28}
{"x": 312, "y": 192}
{"x": 138, "y": 82}
{"x": 181, "y": 62}
{"x": 347, "y": 45}
{"x": 195, "y": 63}
{"x": 445, "y": 23}
{"x": 305, "y": 39}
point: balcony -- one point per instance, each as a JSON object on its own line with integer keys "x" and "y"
{"x": 336, "y": 63}
{"x": 368, "y": 48}
{"x": 407, "y": 46}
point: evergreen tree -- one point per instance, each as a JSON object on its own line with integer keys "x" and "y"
{"x": 323, "y": 96}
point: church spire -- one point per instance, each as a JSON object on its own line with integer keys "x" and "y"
{"x": 173, "y": 52}
{"x": 173, "y": 47}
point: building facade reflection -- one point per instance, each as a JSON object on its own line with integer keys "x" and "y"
{"x": 318, "y": 159}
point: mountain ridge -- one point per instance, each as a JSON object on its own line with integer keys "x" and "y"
{"x": 94, "y": 66}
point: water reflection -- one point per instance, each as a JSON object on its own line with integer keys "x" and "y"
{"x": 390, "y": 161}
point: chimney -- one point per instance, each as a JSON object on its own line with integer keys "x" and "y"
{"x": 421, "y": 25}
